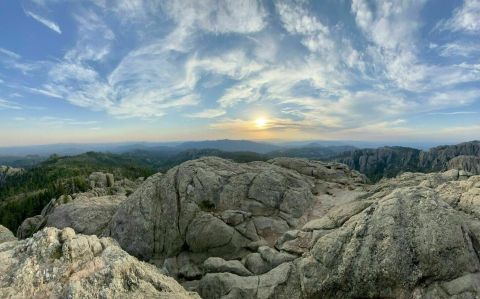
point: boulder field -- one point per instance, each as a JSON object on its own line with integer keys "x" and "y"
{"x": 290, "y": 228}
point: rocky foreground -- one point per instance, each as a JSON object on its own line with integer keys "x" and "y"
{"x": 287, "y": 228}
{"x": 60, "y": 264}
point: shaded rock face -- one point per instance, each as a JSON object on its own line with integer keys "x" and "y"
{"x": 61, "y": 264}
{"x": 212, "y": 207}
{"x": 469, "y": 164}
{"x": 382, "y": 162}
{"x": 391, "y": 161}
{"x": 30, "y": 226}
{"x": 437, "y": 158}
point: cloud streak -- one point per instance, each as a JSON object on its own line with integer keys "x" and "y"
{"x": 208, "y": 113}
{"x": 47, "y": 23}
{"x": 4, "y": 104}
{"x": 10, "y": 53}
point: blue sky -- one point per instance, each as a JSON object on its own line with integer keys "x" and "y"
{"x": 127, "y": 70}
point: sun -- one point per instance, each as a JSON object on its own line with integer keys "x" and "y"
{"x": 260, "y": 122}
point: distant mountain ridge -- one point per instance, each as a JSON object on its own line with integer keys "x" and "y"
{"x": 224, "y": 145}
{"x": 376, "y": 163}
{"x": 227, "y": 145}
{"x": 230, "y": 146}
{"x": 390, "y": 161}
{"x": 313, "y": 151}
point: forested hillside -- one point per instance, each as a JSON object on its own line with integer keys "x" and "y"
{"x": 26, "y": 194}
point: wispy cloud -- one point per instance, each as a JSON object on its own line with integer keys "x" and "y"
{"x": 49, "y": 24}
{"x": 95, "y": 38}
{"x": 208, "y": 113}
{"x": 454, "y": 113}
{"x": 8, "y": 104}
{"x": 241, "y": 16}
{"x": 45, "y": 92}
{"x": 9, "y": 53}
{"x": 129, "y": 90}
{"x": 14, "y": 60}
{"x": 459, "y": 49}
{"x": 58, "y": 122}
{"x": 4, "y": 104}
{"x": 466, "y": 18}
{"x": 393, "y": 34}
{"x": 297, "y": 20}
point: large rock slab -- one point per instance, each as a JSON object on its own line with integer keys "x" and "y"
{"x": 61, "y": 264}
{"x": 134, "y": 223}
{"x": 86, "y": 215}
{"x": 408, "y": 239}
{"x": 326, "y": 171}
{"x": 217, "y": 264}
{"x": 279, "y": 283}
{"x": 211, "y": 205}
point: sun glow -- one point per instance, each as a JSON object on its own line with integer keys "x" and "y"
{"x": 261, "y": 122}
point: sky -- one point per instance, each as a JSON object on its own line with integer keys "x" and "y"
{"x": 166, "y": 70}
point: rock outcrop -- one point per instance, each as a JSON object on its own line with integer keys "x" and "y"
{"x": 407, "y": 239}
{"x": 212, "y": 207}
{"x": 437, "y": 158}
{"x": 61, "y": 264}
{"x": 87, "y": 213}
{"x": 382, "y": 162}
{"x": 387, "y": 162}
{"x": 418, "y": 239}
{"x": 470, "y": 164}
{"x": 101, "y": 180}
